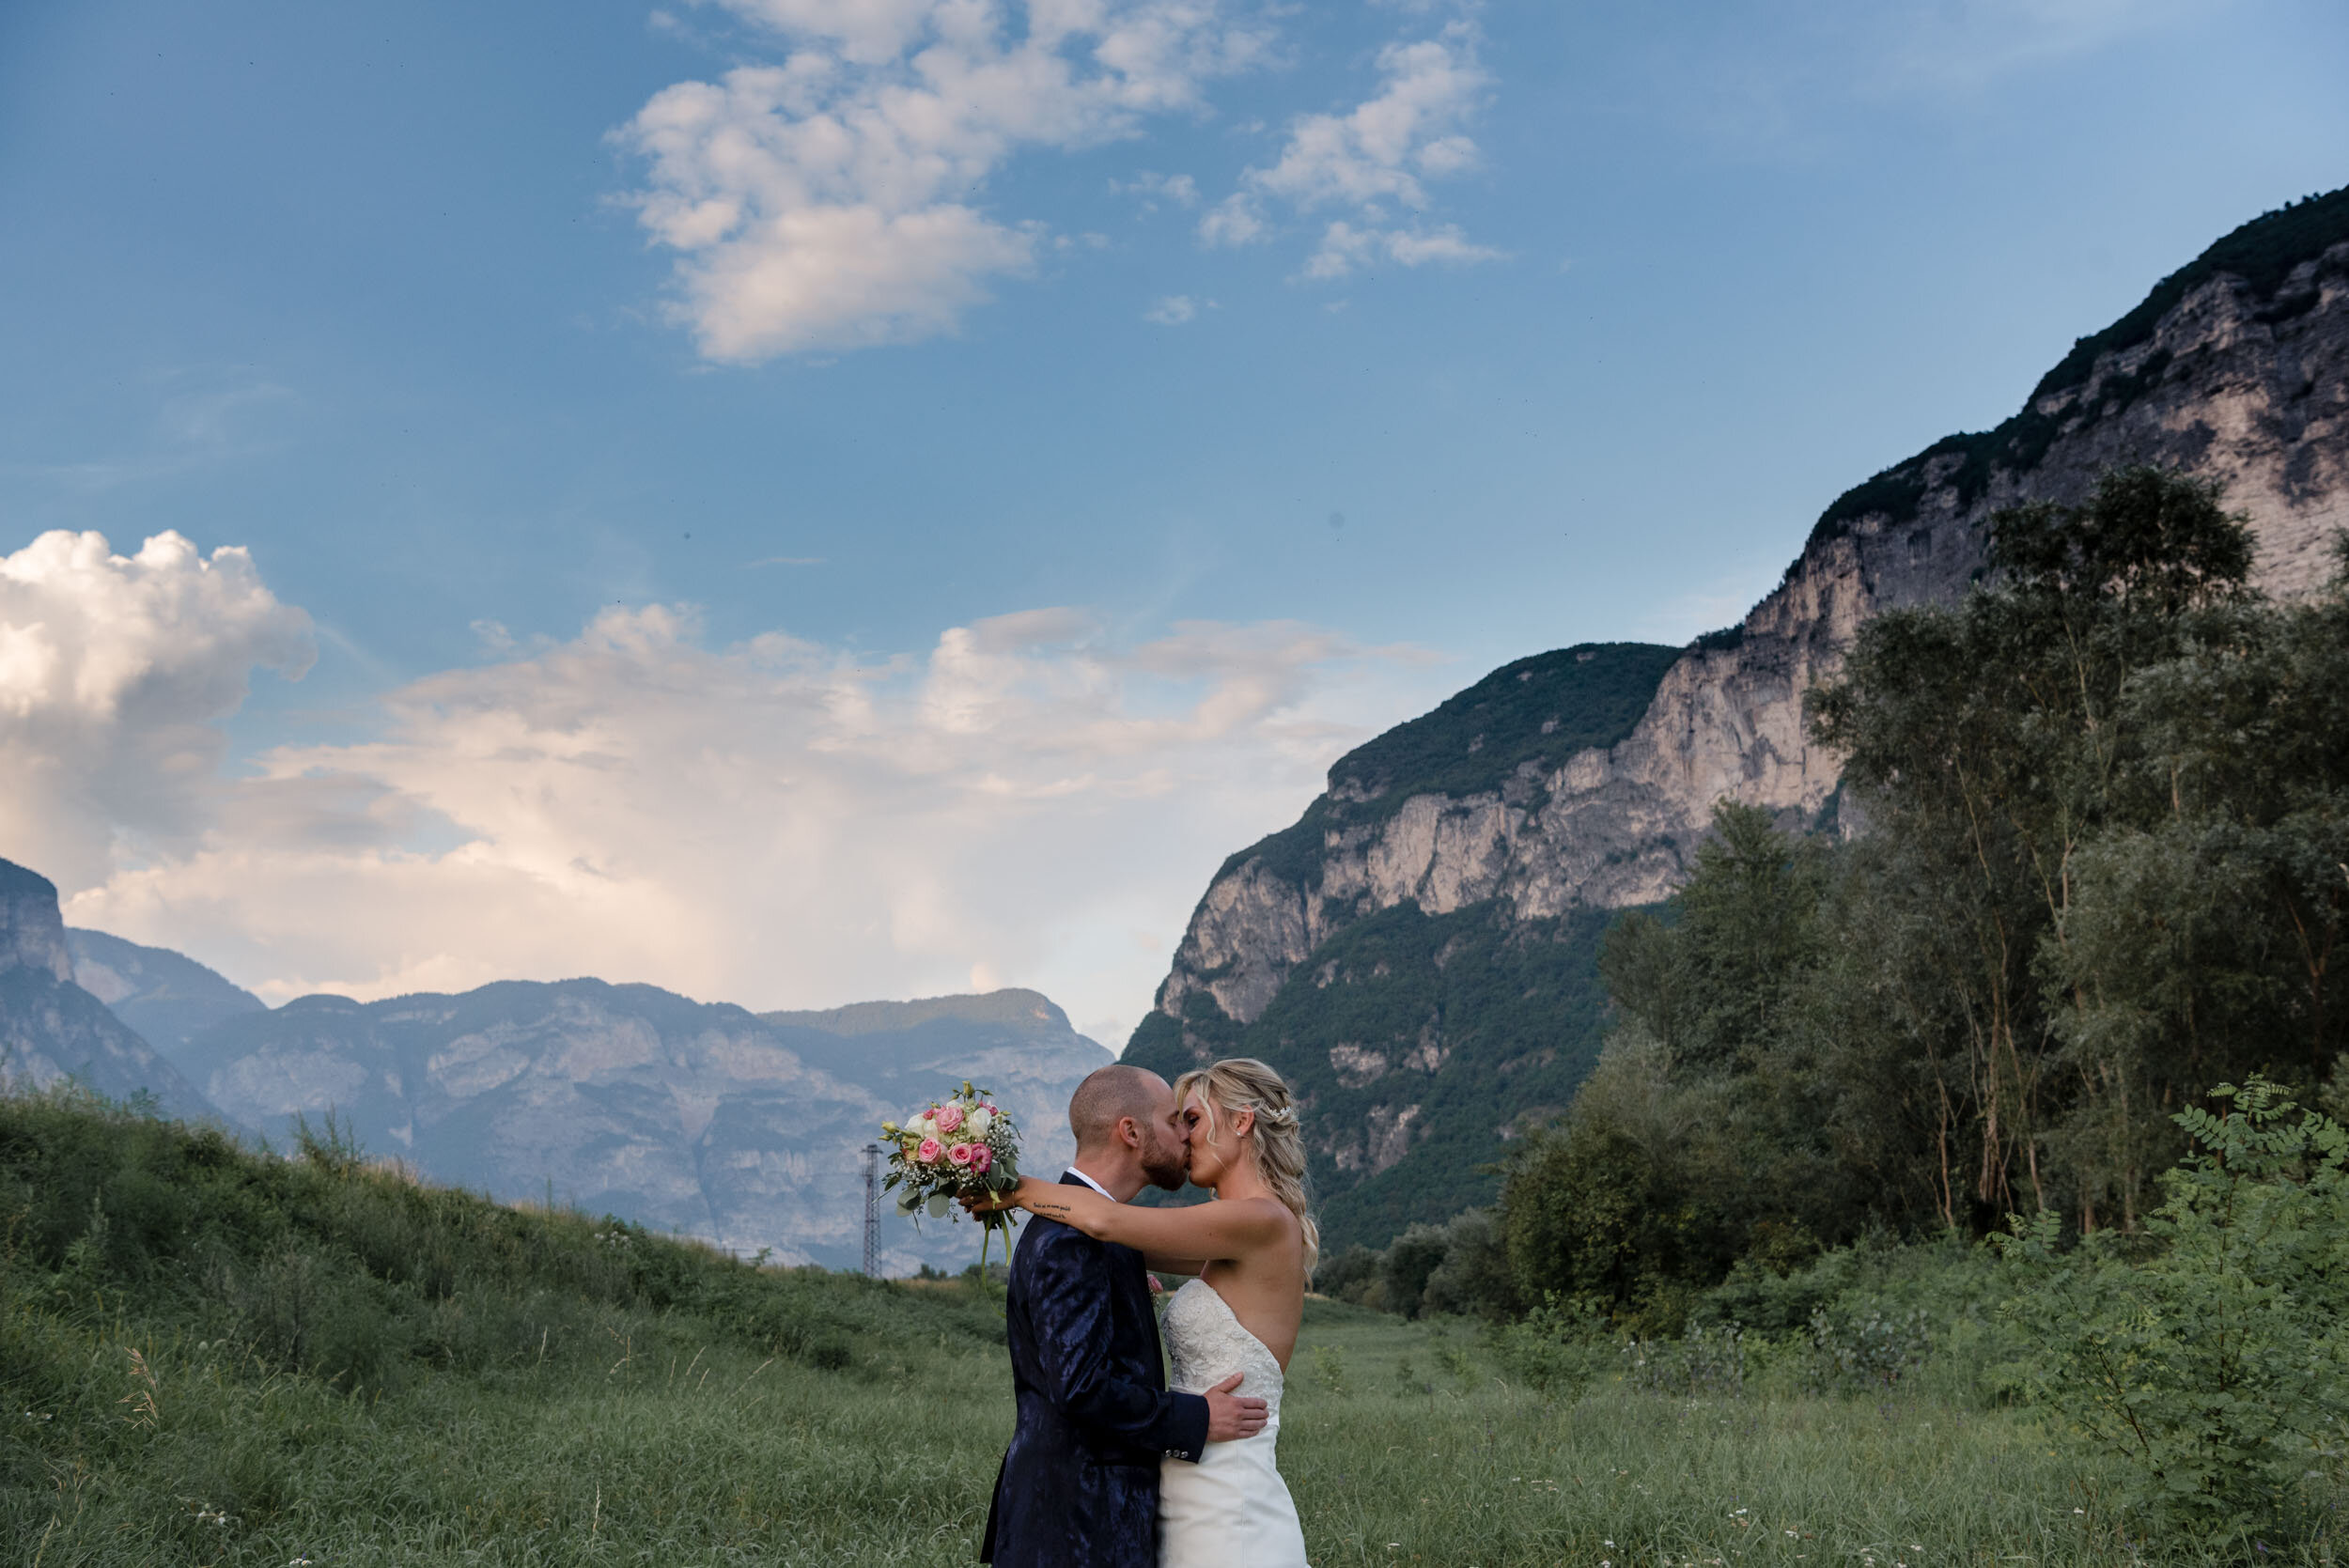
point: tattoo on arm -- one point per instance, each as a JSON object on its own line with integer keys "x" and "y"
{"x": 1047, "y": 1207}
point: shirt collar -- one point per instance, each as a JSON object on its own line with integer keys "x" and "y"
{"x": 1091, "y": 1183}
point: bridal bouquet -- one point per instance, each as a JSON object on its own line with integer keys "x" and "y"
{"x": 961, "y": 1147}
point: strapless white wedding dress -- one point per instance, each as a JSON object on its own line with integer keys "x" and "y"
{"x": 1231, "y": 1509}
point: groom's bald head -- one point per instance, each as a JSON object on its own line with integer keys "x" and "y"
{"x": 1108, "y": 1095}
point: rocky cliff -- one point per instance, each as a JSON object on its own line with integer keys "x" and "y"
{"x": 50, "y": 1028}
{"x": 2235, "y": 367}
{"x": 698, "y": 1118}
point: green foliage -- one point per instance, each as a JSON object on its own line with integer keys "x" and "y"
{"x": 1697, "y": 1140}
{"x": 2214, "y": 1371}
{"x": 324, "y": 1265}
{"x": 1459, "y": 1268}
{"x": 209, "y": 1355}
{"x": 1474, "y": 1279}
{"x": 2108, "y": 815}
{"x": 662, "y": 1435}
{"x": 2102, "y": 799}
{"x": 1410, "y": 1258}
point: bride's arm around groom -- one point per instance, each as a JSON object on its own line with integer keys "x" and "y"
{"x": 1079, "y": 1486}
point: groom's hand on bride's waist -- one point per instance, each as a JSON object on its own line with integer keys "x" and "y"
{"x": 1232, "y": 1417}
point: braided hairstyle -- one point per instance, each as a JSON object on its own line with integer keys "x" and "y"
{"x": 1239, "y": 1084}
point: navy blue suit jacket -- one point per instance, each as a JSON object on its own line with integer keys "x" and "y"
{"x": 1080, "y": 1485}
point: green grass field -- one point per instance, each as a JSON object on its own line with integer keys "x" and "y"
{"x": 558, "y": 1396}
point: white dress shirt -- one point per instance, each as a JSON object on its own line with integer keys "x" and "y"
{"x": 1091, "y": 1183}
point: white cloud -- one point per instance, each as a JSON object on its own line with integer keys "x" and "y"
{"x": 1343, "y": 248}
{"x": 1172, "y": 311}
{"x": 1236, "y": 220}
{"x": 1180, "y": 189}
{"x": 831, "y": 201}
{"x": 112, "y": 670}
{"x": 1379, "y": 155}
{"x": 774, "y": 822}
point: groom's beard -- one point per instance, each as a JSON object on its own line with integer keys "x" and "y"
{"x": 1168, "y": 1172}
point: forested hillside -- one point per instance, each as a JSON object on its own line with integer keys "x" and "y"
{"x": 2106, "y": 872}
{"x": 1562, "y": 790}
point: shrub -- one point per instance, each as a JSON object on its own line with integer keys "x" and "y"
{"x": 1558, "y": 1347}
{"x": 2215, "y": 1371}
{"x": 1473, "y": 1280}
{"x": 1350, "y": 1276}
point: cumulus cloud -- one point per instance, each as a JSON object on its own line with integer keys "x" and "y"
{"x": 113, "y": 671}
{"x": 1172, "y": 311}
{"x": 1377, "y": 156}
{"x": 1029, "y": 800}
{"x": 831, "y": 201}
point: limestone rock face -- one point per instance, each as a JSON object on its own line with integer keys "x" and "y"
{"x": 698, "y": 1118}
{"x": 31, "y": 931}
{"x": 50, "y": 1028}
{"x": 2236, "y": 369}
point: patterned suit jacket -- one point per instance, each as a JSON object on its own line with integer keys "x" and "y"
{"x": 1078, "y": 1487}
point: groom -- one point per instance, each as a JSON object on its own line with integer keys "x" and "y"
{"x": 1080, "y": 1485}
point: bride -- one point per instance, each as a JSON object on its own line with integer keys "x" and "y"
{"x": 1250, "y": 1250}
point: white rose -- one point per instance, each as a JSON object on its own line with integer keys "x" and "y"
{"x": 974, "y": 1126}
{"x": 923, "y": 1126}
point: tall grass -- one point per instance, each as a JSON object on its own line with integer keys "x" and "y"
{"x": 208, "y": 1356}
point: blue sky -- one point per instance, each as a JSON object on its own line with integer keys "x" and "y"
{"x": 798, "y": 500}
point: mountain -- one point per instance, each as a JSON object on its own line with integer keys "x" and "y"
{"x": 698, "y": 1118}
{"x": 168, "y": 997}
{"x": 1416, "y": 953}
{"x": 52, "y": 1028}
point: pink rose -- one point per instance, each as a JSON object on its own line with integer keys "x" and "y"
{"x": 960, "y": 1154}
{"x": 982, "y": 1158}
{"x": 949, "y": 1117}
{"x": 929, "y": 1151}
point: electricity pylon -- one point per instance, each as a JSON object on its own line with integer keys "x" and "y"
{"x": 872, "y": 1207}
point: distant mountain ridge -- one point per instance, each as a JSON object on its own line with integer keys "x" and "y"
{"x": 1336, "y": 948}
{"x": 168, "y": 996}
{"x": 50, "y": 1028}
{"x": 701, "y": 1118}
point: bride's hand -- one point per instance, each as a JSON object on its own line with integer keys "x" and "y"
{"x": 979, "y": 1205}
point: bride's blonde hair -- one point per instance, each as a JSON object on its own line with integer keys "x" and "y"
{"x": 1239, "y": 1084}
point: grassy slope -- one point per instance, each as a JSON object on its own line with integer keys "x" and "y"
{"x": 555, "y": 1397}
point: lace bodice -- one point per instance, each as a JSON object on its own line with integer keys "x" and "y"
{"x": 1206, "y": 1345}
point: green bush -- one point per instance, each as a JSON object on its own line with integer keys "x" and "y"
{"x": 1473, "y": 1280}
{"x": 2215, "y": 1371}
